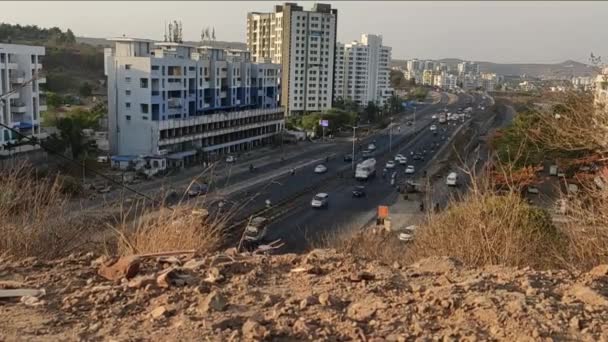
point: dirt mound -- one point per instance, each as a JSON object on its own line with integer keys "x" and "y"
{"x": 321, "y": 295}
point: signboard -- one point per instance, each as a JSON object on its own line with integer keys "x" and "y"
{"x": 324, "y": 123}
{"x": 382, "y": 211}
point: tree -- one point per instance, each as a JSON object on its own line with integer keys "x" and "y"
{"x": 69, "y": 37}
{"x": 85, "y": 89}
{"x": 54, "y": 100}
{"x": 394, "y": 105}
{"x": 371, "y": 112}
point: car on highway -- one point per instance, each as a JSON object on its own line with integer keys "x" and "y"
{"x": 434, "y": 117}
{"x": 399, "y": 157}
{"x": 390, "y": 164}
{"x": 197, "y": 190}
{"x": 433, "y": 128}
{"x": 230, "y": 159}
{"x": 320, "y": 168}
{"x": 409, "y": 170}
{"x": 256, "y": 230}
{"x": 371, "y": 147}
{"x": 452, "y": 179}
{"x": 348, "y": 157}
{"x": 403, "y": 161}
{"x": 417, "y": 156}
{"x": 320, "y": 200}
{"x": 359, "y": 191}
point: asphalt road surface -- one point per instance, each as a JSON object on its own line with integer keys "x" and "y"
{"x": 301, "y": 224}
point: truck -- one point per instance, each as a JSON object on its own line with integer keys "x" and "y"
{"x": 442, "y": 118}
{"x": 366, "y": 169}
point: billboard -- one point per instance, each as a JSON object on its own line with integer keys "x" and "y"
{"x": 324, "y": 123}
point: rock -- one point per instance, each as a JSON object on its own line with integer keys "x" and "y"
{"x": 301, "y": 327}
{"x": 575, "y": 323}
{"x": 159, "y": 312}
{"x": 141, "y": 281}
{"x": 599, "y": 271}
{"x": 325, "y": 299}
{"x": 214, "y": 275}
{"x": 308, "y": 301}
{"x": 586, "y": 295}
{"x": 118, "y": 268}
{"x": 32, "y": 301}
{"x": 253, "y": 330}
{"x": 362, "y": 276}
{"x": 361, "y": 311}
{"x": 174, "y": 277}
{"x": 193, "y": 264}
{"x": 268, "y": 300}
{"x": 214, "y": 301}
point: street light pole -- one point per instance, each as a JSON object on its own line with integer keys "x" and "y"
{"x": 390, "y": 136}
{"x": 352, "y": 162}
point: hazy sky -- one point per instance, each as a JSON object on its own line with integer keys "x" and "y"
{"x": 516, "y": 31}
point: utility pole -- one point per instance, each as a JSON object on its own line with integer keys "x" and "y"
{"x": 390, "y": 136}
{"x": 352, "y": 162}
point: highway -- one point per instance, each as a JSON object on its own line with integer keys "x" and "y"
{"x": 293, "y": 219}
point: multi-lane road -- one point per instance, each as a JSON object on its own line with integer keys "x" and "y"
{"x": 297, "y": 224}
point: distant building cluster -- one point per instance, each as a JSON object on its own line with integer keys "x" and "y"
{"x": 464, "y": 76}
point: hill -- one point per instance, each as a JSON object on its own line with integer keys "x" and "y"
{"x": 102, "y": 42}
{"x": 564, "y": 69}
{"x": 322, "y": 295}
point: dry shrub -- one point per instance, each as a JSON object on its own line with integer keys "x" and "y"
{"x": 375, "y": 244}
{"x": 586, "y": 226}
{"x": 33, "y": 220}
{"x": 167, "y": 229}
{"x": 490, "y": 229}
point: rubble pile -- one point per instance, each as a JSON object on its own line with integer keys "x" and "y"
{"x": 321, "y": 295}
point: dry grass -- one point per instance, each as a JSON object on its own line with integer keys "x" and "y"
{"x": 181, "y": 227}
{"x": 33, "y": 220}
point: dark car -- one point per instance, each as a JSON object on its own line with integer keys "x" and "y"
{"x": 348, "y": 157}
{"x": 417, "y": 157}
{"x": 359, "y": 191}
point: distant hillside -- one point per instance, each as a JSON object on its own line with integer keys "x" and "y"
{"x": 101, "y": 42}
{"x": 564, "y": 69}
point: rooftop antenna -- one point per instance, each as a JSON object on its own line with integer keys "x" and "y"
{"x": 165, "y": 27}
{"x": 213, "y": 34}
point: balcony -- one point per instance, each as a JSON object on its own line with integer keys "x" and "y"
{"x": 41, "y": 79}
{"x": 42, "y": 106}
{"x": 17, "y": 78}
{"x": 18, "y": 107}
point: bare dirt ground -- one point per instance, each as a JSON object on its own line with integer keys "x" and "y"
{"x": 317, "y": 296}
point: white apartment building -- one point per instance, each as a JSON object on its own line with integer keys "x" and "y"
{"x": 489, "y": 81}
{"x": 21, "y": 101}
{"x": 363, "y": 71}
{"x": 468, "y": 68}
{"x": 188, "y": 102}
{"x": 445, "y": 81}
{"x": 415, "y": 74}
{"x": 414, "y": 65}
{"x": 427, "y": 77}
{"x": 601, "y": 87}
{"x": 304, "y": 43}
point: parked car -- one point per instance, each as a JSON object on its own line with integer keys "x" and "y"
{"x": 390, "y": 164}
{"x": 371, "y": 147}
{"x": 410, "y": 169}
{"x": 320, "y": 200}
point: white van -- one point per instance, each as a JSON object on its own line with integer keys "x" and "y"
{"x": 452, "y": 179}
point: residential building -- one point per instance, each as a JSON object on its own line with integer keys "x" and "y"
{"x": 415, "y": 74}
{"x": 429, "y": 65}
{"x": 303, "y": 42}
{"x": 601, "y": 87}
{"x": 22, "y": 102}
{"x": 445, "y": 81}
{"x": 191, "y": 103}
{"x": 427, "y": 77}
{"x": 469, "y": 82}
{"x": 365, "y": 76}
{"x": 468, "y": 68}
{"x": 415, "y": 65}
{"x": 489, "y": 81}
{"x": 582, "y": 82}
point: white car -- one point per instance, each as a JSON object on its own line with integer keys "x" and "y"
{"x": 320, "y": 168}
{"x": 399, "y": 157}
{"x": 433, "y": 128}
{"x": 371, "y": 147}
{"x": 320, "y": 200}
{"x": 434, "y": 116}
{"x": 410, "y": 169}
{"x": 230, "y": 159}
{"x": 403, "y": 161}
{"x": 390, "y": 164}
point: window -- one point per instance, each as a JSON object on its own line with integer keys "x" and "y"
{"x": 128, "y": 104}
{"x": 128, "y": 79}
{"x": 144, "y": 108}
{"x": 127, "y": 92}
{"x": 127, "y": 66}
{"x": 155, "y": 67}
{"x": 128, "y": 117}
{"x": 143, "y": 82}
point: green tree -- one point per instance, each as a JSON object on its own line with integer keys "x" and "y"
{"x": 53, "y": 100}
{"x": 371, "y": 112}
{"x": 394, "y": 105}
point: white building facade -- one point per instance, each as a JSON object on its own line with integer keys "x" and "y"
{"x": 22, "y": 101}
{"x": 601, "y": 87}
{"x": 365, "y": 77}
{"x": 304, "y": 43}
{"x": 188, "y": 102}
